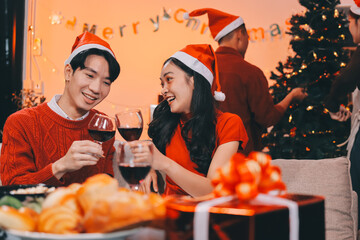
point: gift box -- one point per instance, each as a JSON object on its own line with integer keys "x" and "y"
{"x": 236, "y": 219}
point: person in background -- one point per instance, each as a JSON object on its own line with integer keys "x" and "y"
{"x": 50, "y": 143}
{"x": 346, "y": 82}
{"x": 245, "y": 86}
{"x": 191, "y": 138}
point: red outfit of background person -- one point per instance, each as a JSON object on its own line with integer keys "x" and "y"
{"x": 50, "y": 143}
{"x": 244, "y": 84}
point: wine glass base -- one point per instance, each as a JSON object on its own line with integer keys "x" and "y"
{"x": 134, "y": 187}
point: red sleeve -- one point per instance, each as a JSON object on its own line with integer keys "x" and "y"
{"x": 261, "y": 103}
{"x": 17, "y": 164}
{"x": 231, "y": 128}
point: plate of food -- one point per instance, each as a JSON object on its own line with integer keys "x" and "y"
{"x": 21, "y": 192}
{"x": 24, "y": 235}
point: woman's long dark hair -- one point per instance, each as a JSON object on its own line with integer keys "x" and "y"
{"x": 198, "y": 132}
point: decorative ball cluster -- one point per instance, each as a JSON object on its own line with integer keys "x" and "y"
{"x": 248, "y": 176}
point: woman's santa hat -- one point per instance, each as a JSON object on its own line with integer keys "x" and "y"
{"x": 202, "y": 59}
{"x": 355, "y": 8}
{"x": 220, "y": 23}
{"x": 86, "y": 41}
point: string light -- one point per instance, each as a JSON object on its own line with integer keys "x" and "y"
{"x": 336, "y": 13}
{"x": 314, "y": 55}
{"x": 56, "y": 18}
{"x": 323, "y": 17}
{"x": 342, "y": 64}
{"x": 303, "y": 66}
{"x": 309, "y": 108}
{"x": 290, "y": 118}
{"x": 336, "y": 54}
{"x": 342, "y": 36}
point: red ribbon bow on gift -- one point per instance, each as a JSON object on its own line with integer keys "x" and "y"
{"x": 248, "y": 176}
{"x": 357, "y": 2}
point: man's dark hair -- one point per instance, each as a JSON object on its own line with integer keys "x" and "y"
{"x": 353, "y": 15}
{"x": 230, "y": 34}
{"x": 79, "y": 60}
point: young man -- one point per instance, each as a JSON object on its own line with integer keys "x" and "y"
{"x": 244, "y": 84}
{"x": 50, "y": 143}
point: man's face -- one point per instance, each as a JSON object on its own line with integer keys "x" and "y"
{"x": 86, "y": 87}
{"x": 243, "y": 41}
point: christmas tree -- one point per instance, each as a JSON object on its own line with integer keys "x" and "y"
{"x": 306, "y": 131}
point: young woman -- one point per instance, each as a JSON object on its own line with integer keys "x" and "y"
{"x": 192, "y": 139}
{"x": 346, "y": 82}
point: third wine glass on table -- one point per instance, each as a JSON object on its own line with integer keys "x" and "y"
{"x": 129, "y": 124}
{"x": 101, "y": 128}
{"x": 132, "y": 168}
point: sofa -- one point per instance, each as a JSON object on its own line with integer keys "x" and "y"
{"x": 329, "y": 178}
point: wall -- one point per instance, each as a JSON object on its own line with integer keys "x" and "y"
{"x": 142, "y": 50}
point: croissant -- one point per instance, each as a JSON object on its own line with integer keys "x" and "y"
{"x": 23, "y": 219}
{"x": 122, "y": 208}
{"x": 64, "y": 196}
{"x": 95, "y": 188}
{"x": 60, "y": 220}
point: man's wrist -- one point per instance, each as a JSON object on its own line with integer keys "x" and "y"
{"x": 57, "y": 169}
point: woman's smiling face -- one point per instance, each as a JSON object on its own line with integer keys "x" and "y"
{"x": 177, "y": 88}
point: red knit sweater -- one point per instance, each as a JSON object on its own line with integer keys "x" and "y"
{"x": 36, "y": 137}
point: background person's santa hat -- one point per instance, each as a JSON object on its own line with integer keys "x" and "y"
{"x": 202, "y": 59}
{"x": 86, "y": 41}
{"x": 220, "y": 23}
{"x": 355, "y": 8}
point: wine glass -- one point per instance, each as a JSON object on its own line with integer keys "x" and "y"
{"x": 101, "y": 128}
{"x": 132, "y": 168}
{"x": 130, "y": 124}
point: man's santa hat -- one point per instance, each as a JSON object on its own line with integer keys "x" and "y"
{"x": 86, "y": 41}
{"x": 220, "y": 23}
{"x": 202, "y": 59}
{"x": 355, "y": 8}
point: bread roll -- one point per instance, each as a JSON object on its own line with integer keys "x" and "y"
{"x": 95, "y": 188}
{"x": 60, "y": 220}
{"x": 23, "y": 219}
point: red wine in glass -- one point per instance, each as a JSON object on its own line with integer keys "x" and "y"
{"x": 133, "y": 174}
{"x": 130, "y": 124}
{"x": 101, "y": 135}
{"x": 101, "y": 128}
{"x": 130, "y": 134}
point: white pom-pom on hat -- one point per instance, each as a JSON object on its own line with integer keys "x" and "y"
{"x": 219, "y": 96}
{"x": 186, "y": 16}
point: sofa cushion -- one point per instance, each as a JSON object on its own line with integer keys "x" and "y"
{"x": 329, "y": 178}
